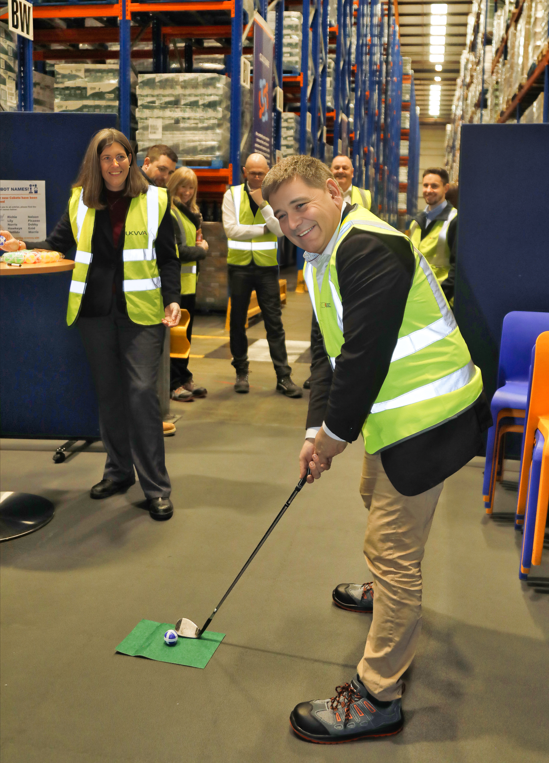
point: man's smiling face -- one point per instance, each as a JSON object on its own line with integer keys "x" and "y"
{"x": 308, "y": 216}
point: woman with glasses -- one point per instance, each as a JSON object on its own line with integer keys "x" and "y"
{"x": 124, "y": 292}
{"x": 191, "y": 247}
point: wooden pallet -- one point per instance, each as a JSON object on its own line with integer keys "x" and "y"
{"x": 253, "y": 307}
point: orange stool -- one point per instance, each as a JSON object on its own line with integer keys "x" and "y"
{"x": 538, "y": 414}
{"x": 180, "y": 346}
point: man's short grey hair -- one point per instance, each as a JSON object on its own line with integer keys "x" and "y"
{"x": 312, "y": 171}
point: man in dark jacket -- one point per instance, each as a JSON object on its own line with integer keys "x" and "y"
{"x": 395, "y": 368}
{"x": 434, "y": 230}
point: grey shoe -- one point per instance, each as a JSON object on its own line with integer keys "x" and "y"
{"x": 182, "y": 395}
{"x": 242, "y": 384}
{"x": 352, "y": 714}
{"x": 286, "y": 386}
{"x": 354, "y": 597}
{"x": 195, "y": 391}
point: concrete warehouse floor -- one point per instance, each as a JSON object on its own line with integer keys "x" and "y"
{"x": 477, "y": 691}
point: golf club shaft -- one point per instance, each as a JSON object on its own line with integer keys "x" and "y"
{"x": 279, "y": 516}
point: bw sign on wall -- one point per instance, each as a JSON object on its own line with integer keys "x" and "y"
{"x": 20, "y": 18}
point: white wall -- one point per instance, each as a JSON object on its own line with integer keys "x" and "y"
{"x": 432, "y": 153}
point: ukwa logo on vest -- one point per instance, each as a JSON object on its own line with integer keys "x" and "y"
{"x": 325, "y": 304}
{"x": 136, "y": 233}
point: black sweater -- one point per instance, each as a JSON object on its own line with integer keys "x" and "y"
{"x": 106, "y": 271}
{"x": 375, "y": 274}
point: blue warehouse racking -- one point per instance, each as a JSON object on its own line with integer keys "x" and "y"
{"x": 367, "y": 80}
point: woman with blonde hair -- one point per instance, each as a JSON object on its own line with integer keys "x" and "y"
{"x": 187, "y": 222}
{"x": 123, "y": 294}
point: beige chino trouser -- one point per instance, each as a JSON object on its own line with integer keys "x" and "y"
{"x": 398, "y": 528}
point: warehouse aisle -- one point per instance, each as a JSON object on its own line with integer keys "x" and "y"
{"x": 73, "y": 591}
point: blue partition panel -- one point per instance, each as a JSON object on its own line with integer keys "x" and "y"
{"x": 45, "y": 382}
{"x": 503, "y": 249}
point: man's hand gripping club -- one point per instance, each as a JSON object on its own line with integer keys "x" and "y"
{"x": 317, "y": 454}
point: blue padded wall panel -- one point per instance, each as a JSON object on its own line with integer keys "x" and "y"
{"x": 503, "y": 239}
{"x": 45, "y": 381}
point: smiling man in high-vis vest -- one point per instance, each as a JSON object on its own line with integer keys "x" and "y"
{"x": 343, "y": 171}
{"x": 394, "y": 368}
{"x": 434, "y": 231}
{"x": 253, "y": 234}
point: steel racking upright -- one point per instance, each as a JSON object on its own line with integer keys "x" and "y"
{"x": 413, "y": 156}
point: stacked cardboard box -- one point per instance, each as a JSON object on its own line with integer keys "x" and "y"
{"x": 8, "y": 70}
{"x": 213, "y": 287}
{"x": 290, "y": 133}
{"x": 90, "y": 88}
{"x": 188, "y": 112}
{"x": 43, "y": 92}
{"x": 292, "y": 39}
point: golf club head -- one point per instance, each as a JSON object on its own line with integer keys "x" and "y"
{"x": 186, "y": 628}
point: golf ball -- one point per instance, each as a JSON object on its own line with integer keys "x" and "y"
{"x": 170, "y": 637}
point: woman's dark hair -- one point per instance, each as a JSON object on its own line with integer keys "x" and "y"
{"x": 90, "y": 177}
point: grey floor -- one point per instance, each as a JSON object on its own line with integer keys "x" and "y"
{"x": 477, "y": 691}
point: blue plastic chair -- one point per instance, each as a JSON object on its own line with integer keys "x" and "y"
{"x": 518, "y": 337}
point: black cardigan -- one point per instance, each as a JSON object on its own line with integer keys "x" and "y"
{"x": 106, "y": 271}
{"x": 375, "y": 281}
{"x": 187, "y": 253}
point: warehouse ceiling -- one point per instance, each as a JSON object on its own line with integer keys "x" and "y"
{"x": 415, "y": 30}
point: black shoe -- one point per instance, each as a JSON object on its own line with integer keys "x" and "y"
{"x": 354, "y": 597}
{"x": 160, "y": 508}
{"x": 288, "y": 388}
{"x": 242, "y": 384}
{"x": 307, "y": 383}
{"x": 352, "y": 714}
{"x": 106, "y": 488}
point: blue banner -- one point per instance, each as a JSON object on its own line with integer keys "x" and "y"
{"x": 262, "y": 138}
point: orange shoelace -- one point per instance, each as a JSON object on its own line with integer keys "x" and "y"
{"x": 344, "y": 698}
{"x": 368, "y": 588}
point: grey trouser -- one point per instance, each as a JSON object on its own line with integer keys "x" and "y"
{"x": 124, "y": 359}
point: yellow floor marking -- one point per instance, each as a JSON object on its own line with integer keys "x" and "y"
{"x": 202, "y": 336}
{"x": 196, "y": 356}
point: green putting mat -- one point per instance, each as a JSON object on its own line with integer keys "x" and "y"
{"x": 147, "y": 640}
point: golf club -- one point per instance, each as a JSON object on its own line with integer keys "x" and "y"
{"x": 187, "y": 628}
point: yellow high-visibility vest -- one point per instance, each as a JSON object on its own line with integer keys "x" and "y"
{"x": 141, "y": 282}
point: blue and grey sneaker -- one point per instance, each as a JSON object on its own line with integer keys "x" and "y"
{"x": 352, "y": 714}
{"x": 354, "y": 597}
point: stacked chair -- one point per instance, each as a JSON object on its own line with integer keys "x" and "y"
{"x": 509, "y": 404}
{"x": 533, "y": 497}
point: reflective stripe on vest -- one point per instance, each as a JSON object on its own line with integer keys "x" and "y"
{"x": 361, "y": 196}
{"x": 188, "y": 268}
{"x": 141, "y": 282}
{"x": 431, "y": 376}
{"x": 261, "y": 249}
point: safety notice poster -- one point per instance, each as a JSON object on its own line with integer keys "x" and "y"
{"x": 23, "y": 208}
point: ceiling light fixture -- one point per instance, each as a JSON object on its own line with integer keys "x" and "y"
{"x": 436, "y": 59}
{"x": 438, "y": 68}
{"x": 437, "y": 79}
